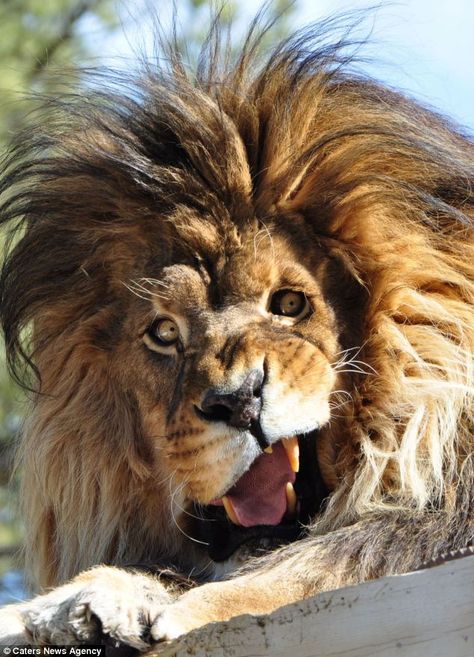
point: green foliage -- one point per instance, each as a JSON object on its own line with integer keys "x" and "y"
{"x": 34, "y": 35}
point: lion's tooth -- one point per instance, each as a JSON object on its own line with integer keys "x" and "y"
{"x": 290, "y": 499}
{"x": 293, "y": 452}
{"x": 268, "y": 450}
{"x": 230, "y": 510}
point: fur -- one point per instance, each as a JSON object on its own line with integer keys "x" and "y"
{"x": 295, "y": 150}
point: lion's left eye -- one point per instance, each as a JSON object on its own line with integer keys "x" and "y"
{"x": 164, "y": 331}
{"x": 289, "y": 303}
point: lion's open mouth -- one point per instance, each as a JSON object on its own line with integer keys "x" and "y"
{"x": 271, "y": 504}
{"x": 264, "y": 495}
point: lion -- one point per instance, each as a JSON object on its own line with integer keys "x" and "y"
{"x": 246, "y": 296}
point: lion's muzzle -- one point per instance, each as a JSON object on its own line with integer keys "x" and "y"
{"x": 240, "y": 408}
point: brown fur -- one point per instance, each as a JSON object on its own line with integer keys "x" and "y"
{"x": 198, "y": 201}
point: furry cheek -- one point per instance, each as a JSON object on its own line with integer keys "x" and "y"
{"x": 203, "y": 459}
{"x": 296, "y": 396}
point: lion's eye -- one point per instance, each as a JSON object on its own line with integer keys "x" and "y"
{"x": 164, "y": 331}
{"x": 289, "y": 303}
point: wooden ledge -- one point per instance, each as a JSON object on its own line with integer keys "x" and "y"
{"x": 429, "y": 613}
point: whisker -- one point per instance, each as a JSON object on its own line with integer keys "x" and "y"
{"x": 135, "y": 292}
{"x": 192, "y": 515}
{"x": 356, "y": 370}
{"x": 154, "y": 281}
{"x": 341, "y": 392}
{"x": 263, "y": 233}
{"x": 173, "y": 503}
{"x": 357, "y": 363}
{"x": 348, "y": 350}
{"x": 349, "y": 359}
{"x": 137, "y": 288}
{"x": 208, "y": 566}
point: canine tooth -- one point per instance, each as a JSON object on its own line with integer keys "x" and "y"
{"x": 230, "y": 510}
{"x": 268, "y": 450}
{"x": 293, "y": 452}
{"x": 290, "y": 499}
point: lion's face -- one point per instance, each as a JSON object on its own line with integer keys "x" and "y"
{"x": 231, "y": 361}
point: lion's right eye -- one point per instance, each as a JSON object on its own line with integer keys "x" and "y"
{"x": 164, "y": 332}
{"x": 289, "y": 303}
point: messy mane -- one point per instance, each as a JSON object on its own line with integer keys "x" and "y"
{"x": 378, "y": 180}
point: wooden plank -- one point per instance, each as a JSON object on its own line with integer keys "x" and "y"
{"x": 429, "y": 613}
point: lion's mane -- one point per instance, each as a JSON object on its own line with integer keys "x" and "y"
{"x": 379, "y": 180}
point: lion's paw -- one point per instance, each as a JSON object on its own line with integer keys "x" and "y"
{"x": 113, "y": 606}
{"x": 191, "y": 610}
{"x": 172, "y": 622}
{"x": 86, "y": 617}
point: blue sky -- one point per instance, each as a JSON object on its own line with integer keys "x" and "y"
{"x": 424, "y": 47}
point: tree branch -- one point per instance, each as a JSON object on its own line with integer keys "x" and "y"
{"x": 65, "y": 33}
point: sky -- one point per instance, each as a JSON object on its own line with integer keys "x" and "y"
{"x": 423, "y": 47}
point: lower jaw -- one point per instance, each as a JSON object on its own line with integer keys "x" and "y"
{"x": 222, "y": 537}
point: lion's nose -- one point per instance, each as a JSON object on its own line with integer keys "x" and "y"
{"x": 240, "y": 408}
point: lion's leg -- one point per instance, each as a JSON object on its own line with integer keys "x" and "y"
{"x": 102, "y": 602}
{"x": 366, "y": 550}
{"x": 259, "y": 593}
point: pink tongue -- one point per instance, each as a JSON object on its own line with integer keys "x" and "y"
{"x": 259, "y": 497}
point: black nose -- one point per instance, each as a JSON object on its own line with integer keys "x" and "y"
{"x": 240, "y": 408}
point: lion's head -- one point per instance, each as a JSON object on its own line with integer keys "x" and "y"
{"x": 216, "y": 274}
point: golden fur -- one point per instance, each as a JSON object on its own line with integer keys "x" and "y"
{"x": 195, "y": 198}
